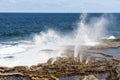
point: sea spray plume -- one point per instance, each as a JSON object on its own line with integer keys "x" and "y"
{"x": 87, "y": 59}
{"x": 80, "y": 34}
{"x": 85, "y": 34}
{"x": 51, "y": 42}
{"x": 81, "y": 57}
{"x": 51, "y": 39}
{"x": 99, "y": 28}
{"x": 89, "y": 33}
{"x": 47, "y": 40}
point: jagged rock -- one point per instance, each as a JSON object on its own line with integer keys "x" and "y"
{"x": 68, "y": 65}
{"x": 117, "y": 70}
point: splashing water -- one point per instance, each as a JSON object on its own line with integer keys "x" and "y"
{"x": 87, "y": 60}
{"x": 51, "y": 44}
{"x": 53, "y": 60}
{"x": 89, "y": 34}
{"x": 81, "y": 57}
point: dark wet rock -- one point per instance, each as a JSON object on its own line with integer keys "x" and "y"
{"x": 9, "y": 57}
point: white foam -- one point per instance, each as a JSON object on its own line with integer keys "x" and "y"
{"x": 52, "y": 44}
{"x": 91, "y": 43}
{"x": 11, "y": 50}
{"x": 112, "y": 37}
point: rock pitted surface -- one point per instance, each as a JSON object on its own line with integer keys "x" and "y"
{"x": 70, "y": 66}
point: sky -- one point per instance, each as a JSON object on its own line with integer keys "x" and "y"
{"x": 54, "y": 6}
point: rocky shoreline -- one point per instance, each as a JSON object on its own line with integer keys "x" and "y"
{"x": 103, "y": 67}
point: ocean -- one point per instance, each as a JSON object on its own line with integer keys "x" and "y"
{"x": 15, "y": 26}
{"x": 25, "y": 36}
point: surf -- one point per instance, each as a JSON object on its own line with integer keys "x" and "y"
{"x": 51, "y": 44}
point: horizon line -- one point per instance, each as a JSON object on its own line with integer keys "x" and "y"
{"x": 60, "y": 12}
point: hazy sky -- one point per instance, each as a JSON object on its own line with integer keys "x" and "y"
{"x": 59, "y": 5}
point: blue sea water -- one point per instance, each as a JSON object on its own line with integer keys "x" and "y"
{"x": 20, "y": 25}
{"x": 24, "y": 35}
{"x": 15, "y": 26}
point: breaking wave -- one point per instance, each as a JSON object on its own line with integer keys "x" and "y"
{"x": 50, "y": 43}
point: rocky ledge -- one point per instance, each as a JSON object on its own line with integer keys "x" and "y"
{"x": 103, "y": 67}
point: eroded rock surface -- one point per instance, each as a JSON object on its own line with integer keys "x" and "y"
{"x": 61, "y": 67}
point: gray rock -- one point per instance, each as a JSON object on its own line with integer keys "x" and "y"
{"x": 90, "y": 77}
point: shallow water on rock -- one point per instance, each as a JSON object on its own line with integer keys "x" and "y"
{"x": 115, "y": 52}
{"x": 102, "y": 76}
{"x": 68, "y": 78}
{"x": 15, "y": 78}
